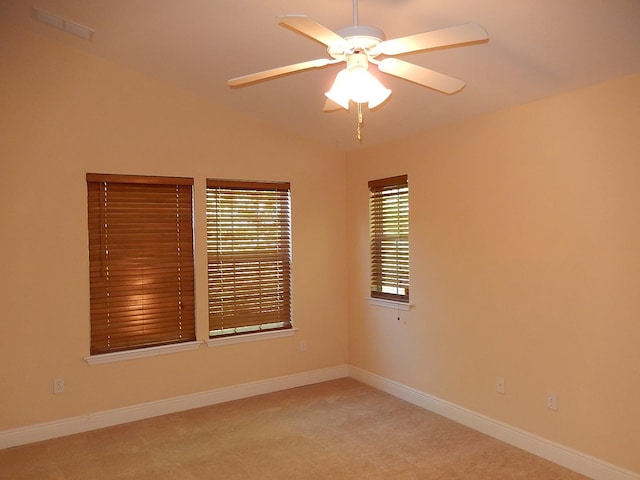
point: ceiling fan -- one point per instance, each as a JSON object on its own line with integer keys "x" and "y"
{"x": 361, "y": 45}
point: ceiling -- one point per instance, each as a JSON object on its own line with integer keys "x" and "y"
{"x": 537, "y": 48}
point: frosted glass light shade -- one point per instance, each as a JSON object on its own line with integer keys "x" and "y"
{"x": 340, "y": 91}
{"x": 378, "y": 95}
{"x": 359, "y": 85}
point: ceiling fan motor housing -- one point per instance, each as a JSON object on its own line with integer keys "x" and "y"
{"x": 357, "y": 59}
{"x": 357, "y": 37}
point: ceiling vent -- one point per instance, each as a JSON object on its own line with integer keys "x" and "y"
{"x": 63, "y": 24}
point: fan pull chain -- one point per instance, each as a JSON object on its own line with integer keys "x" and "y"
{"x": 360, "y": 123}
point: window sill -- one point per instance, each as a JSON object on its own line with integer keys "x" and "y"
{"x": 250, "y": 337}
{"x": 141, "y": 353}
{"x": 379, "y": 302}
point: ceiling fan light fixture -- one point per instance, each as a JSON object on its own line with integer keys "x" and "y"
{"x": 359, "y": 85}
{"x": 365, "y": 88}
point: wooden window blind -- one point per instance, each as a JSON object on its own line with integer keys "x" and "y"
{"x": 389, "y": 235}
{"x": 140, "y": 261}
{"x": 249, "y": 252}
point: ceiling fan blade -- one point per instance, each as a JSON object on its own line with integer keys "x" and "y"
{"x": 276, "y": 72}
{"x": 446, "y": 37}
{"x": 310, "y": 28}
{"x": 330, "y": 106}
{"x": 420, "y": 75}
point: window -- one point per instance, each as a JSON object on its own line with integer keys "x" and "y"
{"x": 389, "y": 233}
{"x": 249, "y": 252}
{"x": 140, "y": 261}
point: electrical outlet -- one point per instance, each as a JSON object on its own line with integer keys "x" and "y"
{"x": 303, "y": 346}
{"x": 500, "y": 385}
{"x": 552, "y": 400}
{"x": 58, "y": 385}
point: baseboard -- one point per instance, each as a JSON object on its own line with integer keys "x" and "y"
{"x": 69, "y": 426}
{"x": 559, "y": 454}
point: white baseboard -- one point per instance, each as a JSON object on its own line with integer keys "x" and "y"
{"x": 69, "y": 426}
{"x": 567, "y": 457}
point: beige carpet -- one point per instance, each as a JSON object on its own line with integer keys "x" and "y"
{"x": 335, "y": 430}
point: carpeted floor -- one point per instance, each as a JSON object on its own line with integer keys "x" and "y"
{"x": 334, "y": 430}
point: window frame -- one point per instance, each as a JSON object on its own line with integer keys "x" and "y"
{"x": 239, "y": 257}
{"x": 384, "y": 269}
{"x": 151, "y": 269}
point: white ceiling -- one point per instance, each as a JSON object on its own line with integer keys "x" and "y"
{"x": 536, "y": 48}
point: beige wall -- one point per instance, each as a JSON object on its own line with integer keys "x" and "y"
{"x": 64, "y": 114}
{"x": 524, "y": 249}
{"x": 525, "y": 263}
